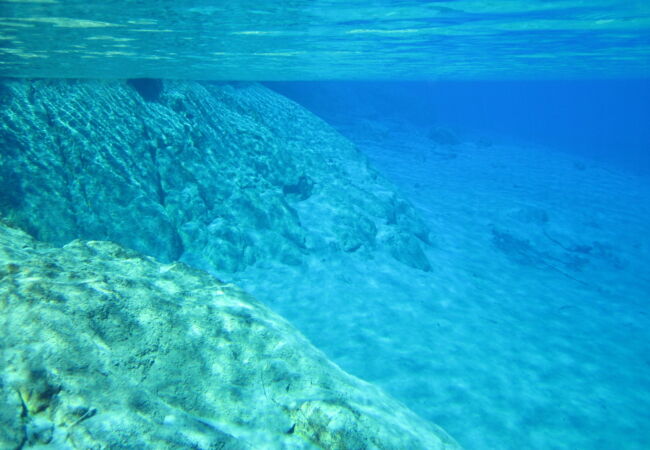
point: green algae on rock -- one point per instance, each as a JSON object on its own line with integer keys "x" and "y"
{"x": 220, "y": 176}
{"x": 103, "y": 347}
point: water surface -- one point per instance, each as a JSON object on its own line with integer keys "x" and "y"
{"x": 335, "y": 39}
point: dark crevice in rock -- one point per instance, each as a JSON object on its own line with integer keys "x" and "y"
{"x": 177, "y": 246}
{"x": 302, "y": 189}
{"x": 148, "y": 88}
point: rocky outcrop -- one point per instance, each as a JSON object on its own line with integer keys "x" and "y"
{"x": 220, "y": 176}
{"x": 102, "y": 347}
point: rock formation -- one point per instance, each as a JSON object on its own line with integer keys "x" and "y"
{"x": 220, "y": 176}
{"x": 102, "y": 347}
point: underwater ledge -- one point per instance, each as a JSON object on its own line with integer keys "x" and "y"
{"x": 221, "y": 176}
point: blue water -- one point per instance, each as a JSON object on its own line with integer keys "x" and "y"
{"x": 521, "y": 133}
{"x": 608, "y": 120}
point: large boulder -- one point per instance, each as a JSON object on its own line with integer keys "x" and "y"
{"x": 220, "y": 176}
{"x": 102, "y": 347}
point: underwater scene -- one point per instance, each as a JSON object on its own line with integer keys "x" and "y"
{"x": 325, "y": 224}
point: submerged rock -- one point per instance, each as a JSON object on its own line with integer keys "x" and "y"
{"x": 443, "y": 136}
{"x": 220, "y": 176}
{"x": 103, "y": 347}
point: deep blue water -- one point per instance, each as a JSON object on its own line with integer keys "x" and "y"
{"x": 606, "y": 120}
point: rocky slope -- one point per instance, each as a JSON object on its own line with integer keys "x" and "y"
{"x": 220, "y": 176}
{"x": 104, "y": 348}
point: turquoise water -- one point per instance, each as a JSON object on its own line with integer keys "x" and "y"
{"x": 518, "y": 130}
{"x": 313, "y": 40}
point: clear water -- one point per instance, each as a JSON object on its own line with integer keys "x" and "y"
{"x": 533, "y": 330}
{"x": 606, "y": 120}
{"x": 310, "y": 40}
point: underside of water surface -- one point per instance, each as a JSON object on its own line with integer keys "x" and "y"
{"x": 326, "y": 40}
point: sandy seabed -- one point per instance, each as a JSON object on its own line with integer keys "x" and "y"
{"x": 533, "y": 328}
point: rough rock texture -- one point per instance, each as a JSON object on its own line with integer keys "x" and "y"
{"x": 219, "y": 176}
{"x": 102, "y": 347}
